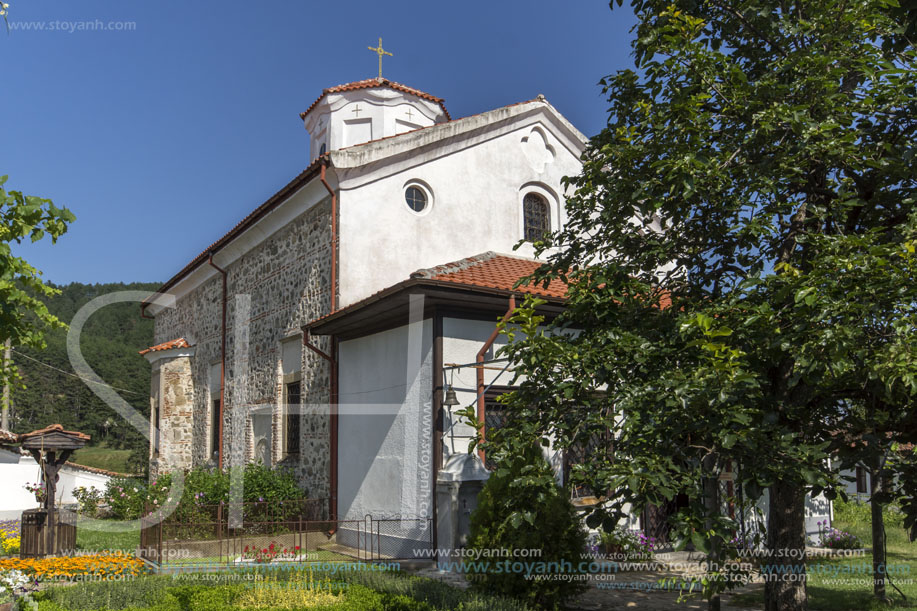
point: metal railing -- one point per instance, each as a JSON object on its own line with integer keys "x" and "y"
{"x": 292, "y": 531}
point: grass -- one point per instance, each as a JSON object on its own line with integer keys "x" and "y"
{"x": 102, "y": 457}
{"x": 97, "y": 540}
{"x": 845, "y": 584}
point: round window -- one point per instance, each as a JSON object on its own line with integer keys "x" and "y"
{"x": 415, "y": 198}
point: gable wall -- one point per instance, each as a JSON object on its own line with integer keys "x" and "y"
{"x": 477, "y": 206}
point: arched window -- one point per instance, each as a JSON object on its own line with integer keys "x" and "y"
{"x": 536, "y": 217}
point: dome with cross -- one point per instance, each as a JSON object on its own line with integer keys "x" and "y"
{"x": 362, "y": 111}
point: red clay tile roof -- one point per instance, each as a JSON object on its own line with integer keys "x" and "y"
{"x": 74, "y": 465}
{"x": 487, "y": 270}
{"x": 181, "y": 342}
{"x": 376, "y": 82}
{"x": 51, "y": 429}
{"x": 494, "y": 271}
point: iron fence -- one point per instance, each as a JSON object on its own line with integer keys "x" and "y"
{"x": 278, "y": 532}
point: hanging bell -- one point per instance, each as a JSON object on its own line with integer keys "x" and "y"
{"x": 450, "y": 399}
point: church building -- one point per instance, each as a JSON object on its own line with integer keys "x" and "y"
{"x": 323, "y": 331}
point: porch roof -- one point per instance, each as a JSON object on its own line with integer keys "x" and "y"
{"x": 476, "y": 287}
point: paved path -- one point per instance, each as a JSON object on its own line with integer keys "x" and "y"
{"x": 635, "y": 589}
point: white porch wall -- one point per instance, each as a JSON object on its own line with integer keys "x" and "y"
{"x": 385, "y": 446}
{"x": 461, "y": 341}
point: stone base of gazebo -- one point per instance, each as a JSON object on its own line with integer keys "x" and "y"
{"x": 47, "y": 533}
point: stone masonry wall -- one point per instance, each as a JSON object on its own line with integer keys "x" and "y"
{"x": 284, "y": 283}
{"x": 176, "y": 394}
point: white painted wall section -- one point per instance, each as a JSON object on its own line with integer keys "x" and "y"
{"x": 475, "y": 182}
{"x": 385, "y": 427}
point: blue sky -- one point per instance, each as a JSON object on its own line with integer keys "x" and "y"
{"x": 162, "y": 135}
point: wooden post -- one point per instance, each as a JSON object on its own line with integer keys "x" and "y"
{"x": 5, "y": 421}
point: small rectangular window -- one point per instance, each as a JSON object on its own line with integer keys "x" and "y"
{"x": 294, "y": 393}
{"x": 494, "y": 419}
{"x": 215, "y": 429}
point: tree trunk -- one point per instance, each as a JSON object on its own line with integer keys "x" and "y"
{"x": 785, "y": 588}
{"x": 876, "y": 488}
{"x": 711, "y": 489}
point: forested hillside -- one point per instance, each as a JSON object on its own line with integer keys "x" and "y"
{"x": 110, "y": 341}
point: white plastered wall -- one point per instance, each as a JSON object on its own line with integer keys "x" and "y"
{"x": 462, "y": 339}
{"x": 475, "y": 190}
{"x": 385, "y": 434}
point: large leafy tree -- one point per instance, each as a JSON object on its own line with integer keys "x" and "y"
{"x": 23, "y": 314}
{"x": 721, "y": 253}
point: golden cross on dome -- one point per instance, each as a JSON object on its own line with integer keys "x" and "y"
{"x": 380, "y": 52}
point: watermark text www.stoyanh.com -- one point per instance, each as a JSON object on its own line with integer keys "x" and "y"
{"x": 70, "y": 27}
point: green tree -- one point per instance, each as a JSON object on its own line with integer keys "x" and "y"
{"x": 758, "y": 151}
{"x": 23, "y": 314}
{"x": 522, "y": 508}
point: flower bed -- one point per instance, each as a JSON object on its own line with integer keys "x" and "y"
{"x": 625, "y": 544}
{"x": 832, "y": 538}
{"x": 271, "y": 553}
{"x": 9, "y": 537}
{"x": 102, "y": 566}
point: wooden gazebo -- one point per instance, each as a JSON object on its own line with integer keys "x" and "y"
{"x": 47, "y": 531}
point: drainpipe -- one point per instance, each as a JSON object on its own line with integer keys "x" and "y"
{"x": 143, "y": 313}
{"x": 334, "y": 236}
{"x": 222, "y": 361}
{"x": 333, "y": 433}
{"x": 479, "y": 360}
{"x": 332, "y": 360}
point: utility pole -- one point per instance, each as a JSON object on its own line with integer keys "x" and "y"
{"x": 5, "y": 421}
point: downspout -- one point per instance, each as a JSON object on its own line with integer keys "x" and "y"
{"x": 479, "y": 369}
{"x": 222, "y": 362}
{"x": 332, "y": 359}
{"x": 334, "y": 236}
{"x": 333, "y": 433}
{"x": 143, "y": 313}
{"x": 437, "y": 421}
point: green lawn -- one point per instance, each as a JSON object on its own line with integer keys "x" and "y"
{"x": 844, "y": 584}
{"x": 96, "y": 540}
{"x": 102, "y": 457}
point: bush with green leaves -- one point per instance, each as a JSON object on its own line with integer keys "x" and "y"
{"x": 130, "y": 498}
{"x": 364, "y": 591}
{"x": 627, "y": 544}
{"x": 522, "y": 508}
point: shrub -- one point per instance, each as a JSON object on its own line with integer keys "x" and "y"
{"x": 114, "y": 595}
{"x": 88, "y": 500}
{"x": 435, "y": 593}
{"x": 521, "y": 507}
{"x": 628, "y": 544}
{"x": 127, "y": 498}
